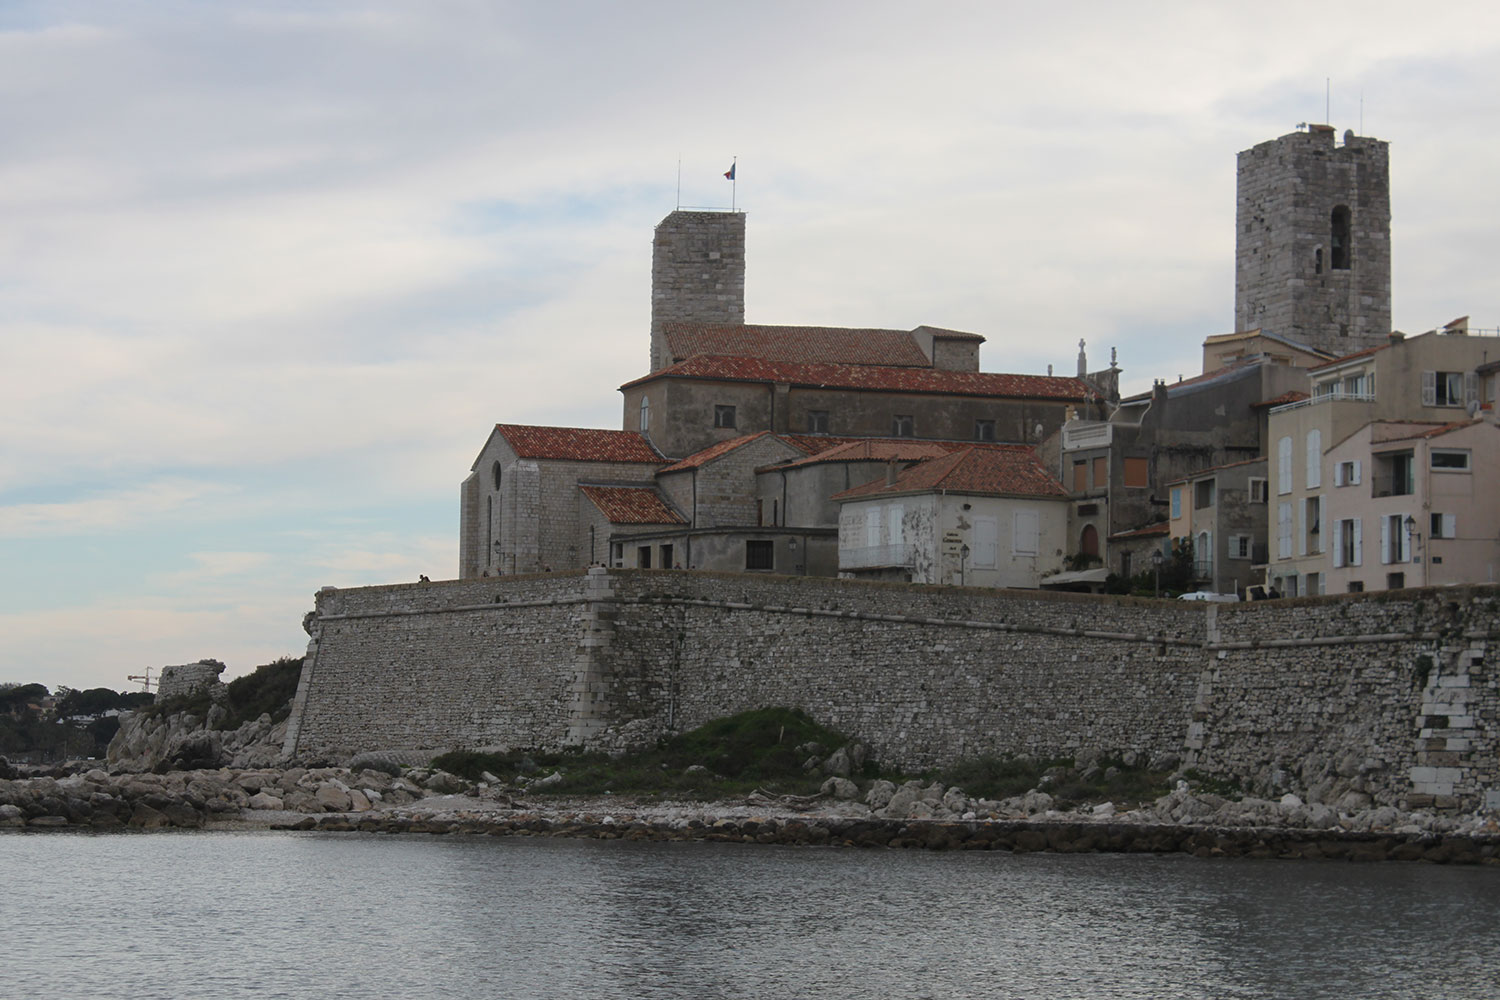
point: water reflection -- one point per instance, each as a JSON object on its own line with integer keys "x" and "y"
{"x": 233, "y": 915}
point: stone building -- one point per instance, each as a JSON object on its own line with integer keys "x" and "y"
{"x": 1312, "y": 240}
{"x": 713, "y": 467}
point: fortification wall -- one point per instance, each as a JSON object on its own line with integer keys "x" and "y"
{"x": 1386, "y": 697}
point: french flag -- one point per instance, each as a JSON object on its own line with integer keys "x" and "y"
{"x": 729, "y": 174}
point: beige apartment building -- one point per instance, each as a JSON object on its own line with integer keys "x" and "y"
{"x": 1432, "y": 379}
{"x": 1414, "y": 505}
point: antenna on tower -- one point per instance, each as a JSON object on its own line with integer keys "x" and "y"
{"x": 1327, "y": 100}
{"x": 679, "y": 181}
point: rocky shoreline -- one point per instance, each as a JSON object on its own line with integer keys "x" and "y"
{"x": 911, "y": 816}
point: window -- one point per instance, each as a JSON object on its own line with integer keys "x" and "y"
{"x": 666, "y": 557}
{"x": 1314, "y": 459}
{"x": 873, "y": 536}
{"x": 723, "y": 416}
{"x": 1444, "y": 388}
{"x": 643, "y": 557}
{"x": 1177, "y": 501}
{"x": 1258, "y": 492}
{"x": 1346, "y": 543}
{"x": 893, "y": 526}
{"x": 817, "y": 421}
{"x": 1450, "y": 460}
{"x": 1443, "y": 526}
{"x": 903, "y": 426}
{"x": 1027, "y": 532}
{"x": 1394, "y": 474}
{"x": 1088, "y": 541}
{"x": 984, "y": 430}
{"x": 1339, "y": 249}
{"x": 1240, "y": 546}
{"x": 1356, "y": 587}
{"x": 1395, "y": 581}
{"x": 1312, "y": 511}
{"x": 617, "y": 554}
{"x": 1080, "y": 476}
{"x": 1284, "y": 465}
{"x": 1137, "y": 473}
{"x": 495, "y": 474}
{"x": 645, "y": 413}
{"x": 1101, "y": 472}
{"x": 1203, "y": 494}
{"x": 1395, "y": 540}
{"x": 1346, "y": 473}
{"x": 760, "y": 554}
{"x": 1283, "y": 531}
{"x": 1203, "y": 555}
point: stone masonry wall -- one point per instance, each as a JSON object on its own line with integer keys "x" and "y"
{"x": 188, "y": 678}
{"x": 1387, "y": 698}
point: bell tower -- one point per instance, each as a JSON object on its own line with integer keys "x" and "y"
{"x": 1313, "y": 240}
{"x": 697, "y": 273}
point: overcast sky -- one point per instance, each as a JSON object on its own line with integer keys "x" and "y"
{"x": 270, "y": 271}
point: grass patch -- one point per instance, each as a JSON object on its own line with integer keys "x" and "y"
{"x": 756, "y": 749}
{"x": 1227, "y": 788}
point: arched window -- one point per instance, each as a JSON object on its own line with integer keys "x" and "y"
{"x": 495, "y": 472}
{"x": 1340, "y": 251}
{"x": 1088, "y": 543}
{"x": 645, "y": 413}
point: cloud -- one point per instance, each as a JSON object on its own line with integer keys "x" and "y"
{"x": 90, "y": 515}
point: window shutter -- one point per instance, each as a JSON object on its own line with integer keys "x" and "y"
{"x": 1450, "y": 525}
{"x": 1338, "y": 473}
{"x": 1314, "y": 459}
{"x": 1284, "y": 465}
{"x": 1284, "y": 531}
{"x": 1302, "y": 529}
{"x": 1471, "y": 388}
{"x": 872, "y": 527}
{"x": 1359, "y": 551}
{"x": 1385, "y": 540}
{"x": 1338, "y": 544}
{"x": 1429, "y": 388}
{"x": 1354, "y": 470}
{"x": 893, "y": 524}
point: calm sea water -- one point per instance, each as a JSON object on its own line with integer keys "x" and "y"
{"x": 221, "y": 915}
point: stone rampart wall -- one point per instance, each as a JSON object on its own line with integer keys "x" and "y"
{"x": 1386, "y": 697}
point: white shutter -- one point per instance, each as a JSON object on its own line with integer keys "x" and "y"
{"x": 1314, "y": 459}
{"x": 986, "y": 530}
{"x": 1338, "y": 544}
{"x": 1359, "y": 552}
{"x": 1302, "y": 529}
{"x": 1338, "y": 473}
{"x": 873, "y": 536}
{"x": 1385, "y": 540}
{"x": 1354, "y": 473}
{"x": 1025, "y": 537}
{"x": 1450, "y": 525}
{"x": 1284, "y": 465}
{"x": 893, "y": 524}
{"x": 1284, "y": 531}
{"x": 1471, "y": 388}
{"x": 1429, "y": 388}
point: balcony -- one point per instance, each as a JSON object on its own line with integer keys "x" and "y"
{"x": 1337, "y": 396}
{"x": 876, "y": 557}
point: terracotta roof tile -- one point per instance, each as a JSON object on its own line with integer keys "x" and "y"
{"x": 1007, "y": 470}
{"x": 1290, "y": 396}
{"x": 578, "y": 444}
{"x": 877, "y": 378}
{"x": 1149, "y": 531}
{"x": 1349, "y": 357}
{"x": 1433, "y": 432}
{"x": 876, "y": 450}
{"x": 632, "y": 505}
{"x": 713, "y": 451}
{"x": 796, "y": 344}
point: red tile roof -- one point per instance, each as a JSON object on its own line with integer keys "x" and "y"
{"x": 1290, "y": 396}
{"x": 713, "y": 451}
{"x": 1349, "y": 357}
{"x": 876, "y": 450}
{"x": 1000, "y": 470}
{"x": 799, "y": 344}
{"x": 632, "y": 505}
{"x": 1433, "y": 432}
{"x": 876, "y": 378}
{"x": 578, "y": 444}
{"x": 1149, "y": 531}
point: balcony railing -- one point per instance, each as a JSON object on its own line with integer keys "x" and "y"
{"x": 1337, "y": 396}
{"x": 875, "y": 556}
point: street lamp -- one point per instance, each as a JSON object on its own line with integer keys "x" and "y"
{"x": 1156, "y": 560}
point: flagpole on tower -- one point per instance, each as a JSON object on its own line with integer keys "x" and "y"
{"x": 733, "y": 182}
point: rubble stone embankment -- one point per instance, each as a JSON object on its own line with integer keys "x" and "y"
{"x": 912, "y": 815}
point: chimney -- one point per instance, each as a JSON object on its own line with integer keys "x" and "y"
{"x": 890, "y": 472}
{"x": 1396, "y": 336}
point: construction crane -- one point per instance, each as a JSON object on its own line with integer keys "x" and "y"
{"x": 145, "y": 680}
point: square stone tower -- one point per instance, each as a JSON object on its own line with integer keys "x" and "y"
{"x": 1313, "y": 240}
{"x": 697, "y": 273}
